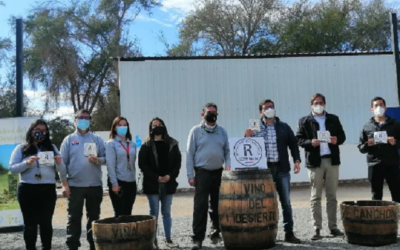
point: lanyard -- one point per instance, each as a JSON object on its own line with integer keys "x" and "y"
{"x": 126, "y": 150}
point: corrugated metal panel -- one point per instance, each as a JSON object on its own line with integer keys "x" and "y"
{"x": 176, "y": 90}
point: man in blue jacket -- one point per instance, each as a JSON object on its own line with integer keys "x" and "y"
{"x": 278, "y": 138}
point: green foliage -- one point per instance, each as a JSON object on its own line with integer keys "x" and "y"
{"x": 8, "y": 97}
{"x": 59, "y": 129}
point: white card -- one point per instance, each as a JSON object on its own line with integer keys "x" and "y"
{"x": 254, "y": 124}
{"x": 324, "y": 136}
{"x": 90, "y": 149}
{"x": 46, "y": 158}
{"x": 380, "y": 137}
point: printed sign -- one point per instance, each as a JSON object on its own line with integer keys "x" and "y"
{"x": 324, "y": 136}
{"x": 247, "y": 152}
{"x": 380, "y": 137}
{"x": 90, "y": 149}
{"x": 12, "y": 133}
{"x": 254, "y": 124}
{"x": 46, "y": 158}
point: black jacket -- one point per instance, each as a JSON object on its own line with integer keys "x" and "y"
{"x": 148, "y": 163}
{"x": 308, "y": 130}
{"x": 381, "y": 153}
{"x": 285, "y": 139}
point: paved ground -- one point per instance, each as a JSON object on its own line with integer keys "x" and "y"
{"x": 182, "y": 212}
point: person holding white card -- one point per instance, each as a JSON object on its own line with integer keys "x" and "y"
{"x": 37, "y": 189}
{"x": 121, "y": 157}
{"x": 278, "y": 138}
{"x": 379, "y": 139}
{"x": 320, "y": 134}
{"x": 83, "y": 153}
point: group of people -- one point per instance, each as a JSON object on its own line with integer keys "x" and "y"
{"x": 82, "y": 154}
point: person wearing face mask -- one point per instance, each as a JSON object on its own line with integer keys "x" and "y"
{"x": 382, "y": 156}
{"x": 322, "y": 161}
{"x": 120, "y": 158}
{"x": 37, "y": 190}
{"x": 160, "y": 162}
{"x": 83, "y": 153}
{"x": 207, "y": 151}
{"x": 278, "y": 138}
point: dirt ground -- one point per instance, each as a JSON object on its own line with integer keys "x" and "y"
{"x": 182, "y": 205}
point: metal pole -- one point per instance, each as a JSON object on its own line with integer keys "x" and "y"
{"x": 395, "y": 49}
{"x": 19, "y": 64}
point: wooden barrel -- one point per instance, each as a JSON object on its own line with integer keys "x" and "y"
{"x": 248, "y": 209}
{"x": 370, "y": 223}
{"x": 125, "y": 232}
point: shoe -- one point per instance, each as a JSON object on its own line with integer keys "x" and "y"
{"x": 289, "y": 237}
{"x": 336, "y": 232}
{"x": 169, "y": 243}
{"x": 197, "y": 245}
{"x": 317, "y": 235}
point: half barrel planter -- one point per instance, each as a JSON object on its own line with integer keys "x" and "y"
{"x": 370, "y": 223}
{"x": 248, "y": 209}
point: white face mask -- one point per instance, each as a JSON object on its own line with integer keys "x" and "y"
{"x": 269, "y": 113}
{"x": 318, "y": 109}
{"x": 379, "y": 111}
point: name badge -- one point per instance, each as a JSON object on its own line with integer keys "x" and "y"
{"x": 254, "y": 124}
{"x": 90, "y": 149}
{"x": 380, "y": 137}
{"x": 324, "y": 136}
{"x": 46, "y": 158}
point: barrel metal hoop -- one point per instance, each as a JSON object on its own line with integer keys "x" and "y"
{"x": 119, "y": 241}
{"x": 240, "y": 197}
{"x": 369, "y": 221}
{"x": 248, "y": 229}
{"x": 380, "y": 236}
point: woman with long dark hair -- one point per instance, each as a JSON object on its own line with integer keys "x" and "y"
{"x": 120, "y": 158}
{"x": 37, "y": 162}
{"x": 160, "y": 162}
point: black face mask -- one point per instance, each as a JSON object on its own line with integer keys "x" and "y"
{"x": 210, "y": 117}
{"x": 158, "y": 131}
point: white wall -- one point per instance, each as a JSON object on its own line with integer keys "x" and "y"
{"x": 353, "y": 166}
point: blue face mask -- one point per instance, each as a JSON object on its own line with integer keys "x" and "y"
{"x": 83, "y": 124}
{"x": 122, "y": 130}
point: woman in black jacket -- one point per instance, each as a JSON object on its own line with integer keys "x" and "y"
{"x": 160, "y": 162}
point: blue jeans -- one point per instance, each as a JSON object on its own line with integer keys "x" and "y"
{"x": 282, "y": 184}
{"x": 166, "y": 202}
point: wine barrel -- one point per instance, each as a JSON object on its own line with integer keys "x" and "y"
{"x": 248, "y": 209}
{"x": 370, "y": 223}
{"x": 124, "y": 232}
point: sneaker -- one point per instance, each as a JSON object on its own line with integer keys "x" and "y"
{"x": 336, "y": 232}
{"x": 197, "y": 245}
{"x": 169, "y": 243}
{"x": 317, "y": 235}
{"x": 289, "y": 237}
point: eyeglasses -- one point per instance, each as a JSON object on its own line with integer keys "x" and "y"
{"x": 266, "y": 108}
{"x": 83, "y": 117}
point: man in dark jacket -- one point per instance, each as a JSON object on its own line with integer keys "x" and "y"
{"x": 278, "y": 138}
{"x": 379, "y": 139}
{"x": 320, "y": 134}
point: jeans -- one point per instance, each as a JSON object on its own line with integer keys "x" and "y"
{"x": 37, "y": 202}
{"x": 206, "y": 197}
{"x": 166, "y": 202}
{"x": 282, "y": 184}
{"x": 123, "y": 203}
{"x": 93, "y": 197}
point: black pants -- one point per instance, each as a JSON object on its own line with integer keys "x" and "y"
{"x": 93, "y": 197}
{"x": 37, "y": 202}
{"x": 206, "y": 191}
{"x": 377, "y": 174}
{"x": 123, "y": 202}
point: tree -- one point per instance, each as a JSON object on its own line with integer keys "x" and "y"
{"x": 8, "y": 97}
{"x": 106, "y": 110}
{"x": 59, "y": 129}
{"x": 5, "y": 44}
{"x": 226, "y": 27}
{"x": 70, "y": 47}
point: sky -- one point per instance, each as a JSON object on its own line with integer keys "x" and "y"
{"x": 146, "y": 28}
